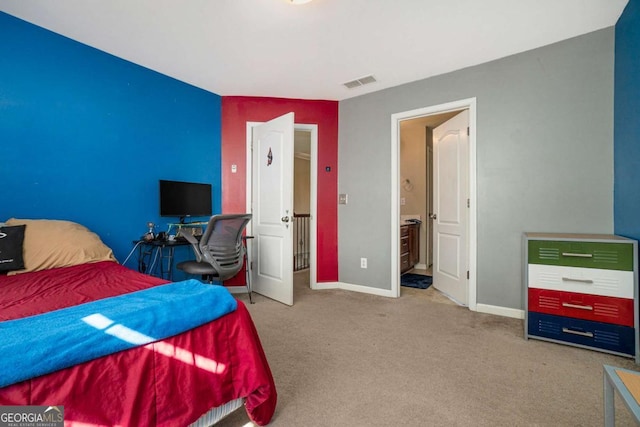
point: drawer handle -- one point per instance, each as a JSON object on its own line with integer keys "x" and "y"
{"x": 577, "y": 255}
{"x": 582, "y": 334}
{"x": 569, "y": 279}
{"x": 581, "y": 307}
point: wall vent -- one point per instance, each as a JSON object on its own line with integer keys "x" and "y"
{"x": 360, "y": 82}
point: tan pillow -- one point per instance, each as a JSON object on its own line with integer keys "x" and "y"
{"x": 54, "y": 243}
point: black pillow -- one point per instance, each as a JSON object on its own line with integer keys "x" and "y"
{"x": 11, "y": 239}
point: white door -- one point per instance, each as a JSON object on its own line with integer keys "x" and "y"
{"x": 450, "y": 224}
{"x": 272, "y": 208}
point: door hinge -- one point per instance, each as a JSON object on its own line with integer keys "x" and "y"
{"x": 467, "y": 130}
{"x": 468, "y": 203}
{"x": 467, "y": 274}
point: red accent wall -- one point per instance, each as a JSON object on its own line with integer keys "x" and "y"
{"x": 236, "y": 112}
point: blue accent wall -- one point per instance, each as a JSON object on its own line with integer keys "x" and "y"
{"x": 85, "y": 136}
{"x": 627, "y": 123}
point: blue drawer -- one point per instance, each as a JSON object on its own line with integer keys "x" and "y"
{"x": 606, "y": 336}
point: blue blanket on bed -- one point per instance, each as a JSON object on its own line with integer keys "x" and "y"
{"x": 45, "y": 343}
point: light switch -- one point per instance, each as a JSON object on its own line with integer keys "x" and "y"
{"x": 342, "y": 199}
{"x": 234, "y": 168}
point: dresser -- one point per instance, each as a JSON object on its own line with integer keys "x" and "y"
{"x": 582, "y": 290}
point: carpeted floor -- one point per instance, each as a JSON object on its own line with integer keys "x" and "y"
{"x": 342, "y": 358}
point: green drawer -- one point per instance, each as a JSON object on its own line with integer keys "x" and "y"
{"x": 608, "y": 256}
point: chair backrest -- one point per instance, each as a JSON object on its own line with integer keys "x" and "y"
{"x": 221, "y": 244}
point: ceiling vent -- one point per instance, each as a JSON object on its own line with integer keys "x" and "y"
{"x": 360, "y": 82}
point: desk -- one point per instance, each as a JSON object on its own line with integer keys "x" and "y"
{"x": 152, "y": 251}
{"x": 627, "y": 384}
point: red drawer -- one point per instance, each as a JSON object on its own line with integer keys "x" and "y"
{"x": 614, "y": 310}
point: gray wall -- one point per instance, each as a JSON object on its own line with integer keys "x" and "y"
{"x": 544, "y": 158}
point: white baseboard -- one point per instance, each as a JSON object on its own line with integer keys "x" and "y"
{"x": 420, "y": 267}
{"x": 481, "y": 308}
{"x": 240, "y": 289}
{"x": 354, "y": 288}
{"x": 500, "y": 311}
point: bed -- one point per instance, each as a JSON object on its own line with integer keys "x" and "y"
{"x": 194, "y": 377}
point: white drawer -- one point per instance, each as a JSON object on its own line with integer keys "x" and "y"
{"x": 610, "y": 283}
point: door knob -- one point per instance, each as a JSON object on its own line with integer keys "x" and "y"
{"x": 433, "y": 216}
{"x": 285, "y": 219}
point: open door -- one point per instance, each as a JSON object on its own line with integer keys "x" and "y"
{"x": 272, "y": 208}
{"x": 451, "y": 212}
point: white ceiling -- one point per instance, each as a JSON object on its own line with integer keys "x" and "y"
{"x": 273, "y": 48}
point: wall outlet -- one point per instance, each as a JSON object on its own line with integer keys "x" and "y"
{"x": 363, "y": 263}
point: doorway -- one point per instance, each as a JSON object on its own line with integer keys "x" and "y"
{"x": 416, "y": 181}
{"x": 425, "y": 120}
{"x": 309, "y": 150}
{"x": 301, "y": 208}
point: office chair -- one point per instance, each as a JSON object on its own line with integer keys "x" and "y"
{"x": 221, "y": 251}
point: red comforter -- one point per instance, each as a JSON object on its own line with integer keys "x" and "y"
{"x": 168, "y": 383}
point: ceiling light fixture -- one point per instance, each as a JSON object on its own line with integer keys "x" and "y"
{"x": 299, "y": 1}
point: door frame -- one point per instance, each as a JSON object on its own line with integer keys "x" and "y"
{"x": 313, "y": 190}
{"x": 428, "y": 258}
{"x": 470, "y": 104}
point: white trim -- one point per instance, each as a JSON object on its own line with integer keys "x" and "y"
{"x": 500, "y": 311}
{"x": 353, "y": 288}
{"x": 480, "y": 308}
{"x": 396, "y": 118}
{"x": 313, "y": 191}
{"x": 238, "y": 289}
{"x": 249, "y": 163}
{"x": 313, "y": 200}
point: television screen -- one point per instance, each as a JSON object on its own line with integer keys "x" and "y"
{"x": 182, "y": 199}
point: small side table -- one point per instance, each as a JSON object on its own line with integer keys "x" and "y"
{"x": 627, "y": 384}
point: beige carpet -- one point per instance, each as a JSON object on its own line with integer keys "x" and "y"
{"x": 347, "y": 359}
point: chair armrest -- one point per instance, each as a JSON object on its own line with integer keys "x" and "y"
{"x": 194, "y": 244}
{"x": 189, "y": 238}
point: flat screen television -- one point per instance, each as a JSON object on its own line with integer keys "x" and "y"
{"x": 184, "y": 199}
